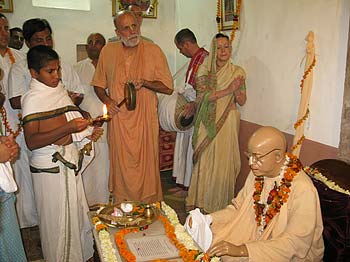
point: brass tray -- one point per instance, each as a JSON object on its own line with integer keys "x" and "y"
{"x": 141, "y": 216}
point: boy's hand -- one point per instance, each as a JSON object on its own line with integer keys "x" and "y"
{"x": 78, "y": 124}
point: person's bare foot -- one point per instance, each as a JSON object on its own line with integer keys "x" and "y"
{"x": 174, "y": 189}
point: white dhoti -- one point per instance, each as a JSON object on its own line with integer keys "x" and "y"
{"x": 60, "y": 199}
{"x": 182, "y": 168}
{"x": 25, "y": 204}
{"x": 96, "y": 175}
{"x": 64, "y": 227}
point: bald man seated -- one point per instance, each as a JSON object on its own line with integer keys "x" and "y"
{"x": 276, "y": 216}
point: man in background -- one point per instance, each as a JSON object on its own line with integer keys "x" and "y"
{"x": 36, "y": 32}
{"x": 133, "y": 135}
{"x": 16, "y": 38}
{"x": 186, "y": 43}
{"x": 95, "y": 177}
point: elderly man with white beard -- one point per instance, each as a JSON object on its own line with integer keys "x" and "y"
{"x": 133, "y": 135}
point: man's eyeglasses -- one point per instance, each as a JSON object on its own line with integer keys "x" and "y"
{"x": 255, "y": 159}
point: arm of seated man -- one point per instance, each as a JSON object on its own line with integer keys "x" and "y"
{"x": 224, "y": 248}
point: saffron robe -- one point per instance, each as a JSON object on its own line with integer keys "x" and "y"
{"x": 294, "y": 234}
{"x": 133, "y": 135}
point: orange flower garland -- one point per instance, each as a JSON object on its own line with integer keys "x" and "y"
{"x": 299, "y": 142}
{"x": 278, "y": 195}
{"x": 306, "y": 115}
{"x": 121, "y": 244}
{"x": 3, "y": 111}
{"x": 98, "y": 224}
{"x": 7, "y": 124}
{"x": 184, "y": 253}
{"x": 300, "y": 121}
{"x": 306, "y": 73}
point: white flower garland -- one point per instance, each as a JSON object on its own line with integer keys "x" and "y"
{"x": 107, "y": 249}
{"x": 329, "y": 183}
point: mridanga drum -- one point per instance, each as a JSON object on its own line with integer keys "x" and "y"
{"x": 171, "y": 113}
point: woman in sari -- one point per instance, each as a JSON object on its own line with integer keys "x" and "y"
{"x": 220, "y": 86}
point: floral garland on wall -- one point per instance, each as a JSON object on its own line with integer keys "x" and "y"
{"x": 235, "y": 23}
{"x": 307, "y": 72}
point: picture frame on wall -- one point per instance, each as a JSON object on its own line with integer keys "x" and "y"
{"x": 149, "y": 7}
{"x": 6, "y": 6}
{"x": 229, "y": 14}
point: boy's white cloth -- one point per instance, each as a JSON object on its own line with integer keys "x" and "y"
{"x": 7, "y": 183}
{"x": 42, "y": 98}
{"x": 200, "y": 230}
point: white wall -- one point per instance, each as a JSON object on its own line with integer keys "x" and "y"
{"x": 71, "y": 27}
{"x": 270, "y": 46}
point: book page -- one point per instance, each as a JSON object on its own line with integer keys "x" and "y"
{"x": 152, "y": 247}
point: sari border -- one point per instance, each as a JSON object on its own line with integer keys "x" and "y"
{"x": 219, "y": 124}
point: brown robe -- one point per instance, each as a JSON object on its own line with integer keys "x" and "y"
{"x": 133, "y": 135}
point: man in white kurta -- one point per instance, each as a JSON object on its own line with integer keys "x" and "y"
{"x": 18, "y": 83}
{"x": 95, "y": 177}
{"x": 186, "y": 42}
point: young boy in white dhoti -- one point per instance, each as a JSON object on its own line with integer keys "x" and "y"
{"x": 55, "y": 132}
